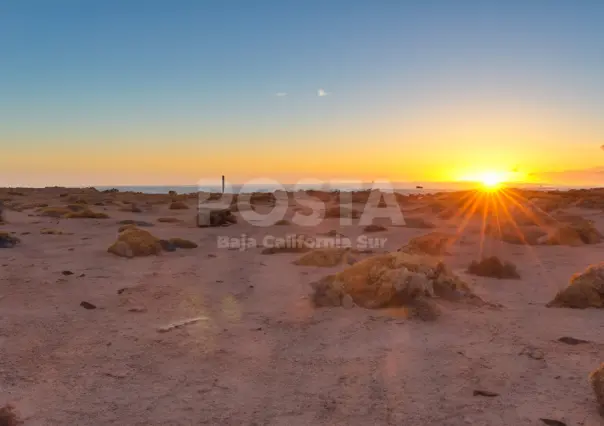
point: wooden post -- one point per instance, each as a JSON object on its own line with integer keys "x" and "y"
{"x": 223, "y": 184}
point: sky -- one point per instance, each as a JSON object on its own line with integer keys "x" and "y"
{"x": 130, "y": 92}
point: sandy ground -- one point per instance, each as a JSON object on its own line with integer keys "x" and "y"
{"x": 263, "y": 355}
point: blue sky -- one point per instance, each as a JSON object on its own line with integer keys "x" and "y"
{"x": 200, "y": 78}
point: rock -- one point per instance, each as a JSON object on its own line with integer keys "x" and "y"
{"x": 486, "y": 393}
{"x": 135, "y": 242}
{"x": 169, "y": 220}
{"x": 215, "y": 217}
{"x": 327, "y": 257}
{"x": 596, "y": 379}
{"x": 375, "y": 228}
{"x": 9, "y": 417}
{"x": 7, "y": 240}
{"x": 533, "y": 353}
{"x": 182, "y": 243}
{"x": 552, "y": 422}
{"x": 282, "y": 222}
{"x": 178, "y": 205}
{"x": 493, "y": 267}
{"x": 66, "y": 273}
{"x": 572, "y": 340}
{"x": 87, "y": 305}
{"x": 586, "y": 290}
{"x": 433, "y": 243}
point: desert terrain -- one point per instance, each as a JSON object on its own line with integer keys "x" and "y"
{"x": 173, "y": 333}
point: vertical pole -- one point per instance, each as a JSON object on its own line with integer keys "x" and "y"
{"x": 223, "y": 184}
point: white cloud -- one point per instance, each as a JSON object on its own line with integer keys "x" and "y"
{"x": 280, "y": 94}
{"x": 321, "y": 93}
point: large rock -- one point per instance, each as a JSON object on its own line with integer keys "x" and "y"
{"x": 596, "y": 379}
{"x": 215, "y": 217}
{"x": 135, "y": 242}
{"x": 586, "y": 290}
{"x": 391, "y": 280}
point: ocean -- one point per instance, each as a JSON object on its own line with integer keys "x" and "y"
{"x": 403, "y": 188}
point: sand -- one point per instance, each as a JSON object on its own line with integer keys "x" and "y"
{"x": 256, "y": 352}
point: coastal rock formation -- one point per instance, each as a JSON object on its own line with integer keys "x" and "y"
{"x": 433, "y": 243}
{"x": 391, "y": 280}
{"x": 135, "y": 242}
{"x": 586, "y": 290}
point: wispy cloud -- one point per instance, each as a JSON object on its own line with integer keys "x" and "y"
{"x": 321, "y": 93}
{"x": 280, "y": 94}
{"x": 592, "y": 176}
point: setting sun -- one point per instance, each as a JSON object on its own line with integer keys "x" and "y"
{"x": 491, "y": 180}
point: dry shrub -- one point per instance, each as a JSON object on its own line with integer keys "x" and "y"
{"x": 182, "y": 243}
{"x": 596, "y": 379}
{"x": 326, "y": 257}
{"x": 290, "y": 244}
{"x": 169, "y": 220}
{"x": 509, "y": 233}
{"x": 391, "y": 280}
{"x": 178, "y": 205}
{"x": 215, "y": 217}
{"x": 9, "y": 417}
{"x": 433, "y": 243}
{"x": 341, "y": 212}
{"x": 72, "y": 211}
{"x": 52, "y": 231}
{"x": 374, "y": 228}
{"x": 493, "y": 267}
{"x": 135, "y": 242}
{"x": 418, "y": 223}
{"x": 575, "y": 233}
{"x": 586, "y": 290}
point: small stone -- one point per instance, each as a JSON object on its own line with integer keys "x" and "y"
{"x": 138, "y": 309}
{"x": 572, "y": 340}
{"x": 66, "y": 273}
{"x": 486, "y": 393}
{"x": 87, "y": 305}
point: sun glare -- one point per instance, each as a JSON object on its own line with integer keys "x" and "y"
{"x": 489, "y": 181}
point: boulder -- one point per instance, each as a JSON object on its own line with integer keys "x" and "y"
{"x": 215, "y": 217}
{"x": 182, "y": 243}
{"x": 586, "y": 290}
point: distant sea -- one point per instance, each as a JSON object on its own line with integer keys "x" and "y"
{"x": 403, "y": 188}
